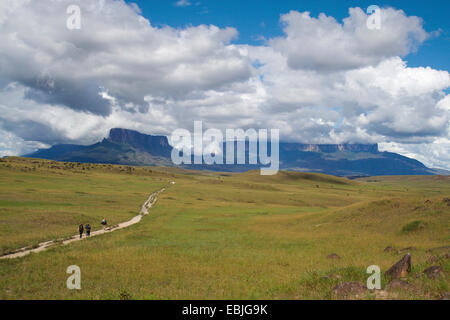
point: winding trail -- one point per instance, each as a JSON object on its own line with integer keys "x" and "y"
{"x": 60, "y": 242}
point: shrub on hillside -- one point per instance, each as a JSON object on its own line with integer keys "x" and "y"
{"x": 412, "y": 226}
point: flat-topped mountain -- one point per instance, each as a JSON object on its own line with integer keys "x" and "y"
{"x": 156, "y": 145}
{"x": 129, "y": 147}
{"x": 122, "y": 146}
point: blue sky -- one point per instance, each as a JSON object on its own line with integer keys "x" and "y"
{"x": 255, "y": 19}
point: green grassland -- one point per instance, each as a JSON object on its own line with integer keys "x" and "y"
{"x": 215, "y": 235}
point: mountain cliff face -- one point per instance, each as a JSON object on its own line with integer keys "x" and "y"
{"x": 329, "y": 148}
{"x": 130, "y": 147}
{"x": 156, "y": 145}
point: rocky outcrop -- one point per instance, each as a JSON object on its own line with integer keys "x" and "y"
{"x": 350, "y": 289}
{"x": 401, "y": 268}
{"x": 433, "y": 272}
{"x": 155, "y": 145}
{"x": 438, "y": 249}
{"x": 445, "y": 296}
{"x": 398, "y": 284}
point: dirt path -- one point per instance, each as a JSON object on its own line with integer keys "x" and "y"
{"x": 52, "y": 243}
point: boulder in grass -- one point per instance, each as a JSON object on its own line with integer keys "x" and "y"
{"x": 350, "y": 289}
{"x": 433, "y": 272}
{"x": 447, "y": 200}
{"x": 438, "y": 248}
{"x": 333, "y": 256}
{"x": 398, "y": 284}
{"x": 445, "y": 296}
{"x": 401, "y": 268}
{"x": 383, "y": 295}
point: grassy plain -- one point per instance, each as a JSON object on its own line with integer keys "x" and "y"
{"x": 216, "y": 235}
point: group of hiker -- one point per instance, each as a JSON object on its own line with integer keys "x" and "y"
{"x": 81, "y": 228}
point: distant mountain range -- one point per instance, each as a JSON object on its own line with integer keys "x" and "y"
{"x": 130, "y": 147}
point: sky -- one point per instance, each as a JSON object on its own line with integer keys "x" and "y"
{"x": 313, "y": 69}
{"x": 257, "y": 20}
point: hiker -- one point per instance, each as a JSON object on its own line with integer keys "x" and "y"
{"x": 81, "y": 229}
{"x": 104, "y": 223}
{"x": 88, "y": 230}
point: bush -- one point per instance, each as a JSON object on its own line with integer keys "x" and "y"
{"x": 412, "y": 226}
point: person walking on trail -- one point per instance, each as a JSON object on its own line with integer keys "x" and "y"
{"x": 88, "y": 230}
{"x": 81, "y": 229}
{"x": 104, "y": 223}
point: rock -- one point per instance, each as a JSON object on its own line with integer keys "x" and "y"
{"x": 446, "y": 200}
{"x": 433, "y": 272}
{"x": 408, "y": 249}
{"x": 438, "y": 248}
{"x": 427, "y": 202}
{"x": 159, "y": 145}
{"x": 389, "y": 249}
{"x": 401, "y": 268}
{"x": 382, "y": 295}
{"x": 347, "y": 289}
{"x": 397, "y": 284}
{"x": 445, "y": 296}
{"x": 333, "y": 256}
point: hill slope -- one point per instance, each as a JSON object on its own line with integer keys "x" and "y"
{"x": 217, "y": 236}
